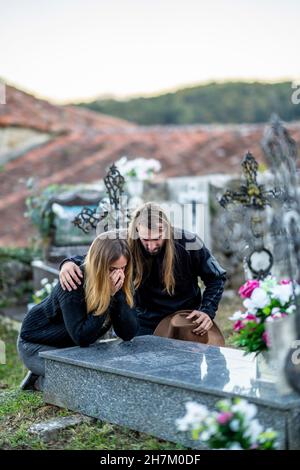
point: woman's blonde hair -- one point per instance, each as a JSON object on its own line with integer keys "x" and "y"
{"x": 152, "y": 216}
{"x": 105, "y": 249}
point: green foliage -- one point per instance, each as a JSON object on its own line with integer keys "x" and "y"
{"x": 19, "y": 410}
{"x": 24, "y": 255}
{"x": 46, "y": 289}
{"x": 16, "y": 287}
{"x": 39, "y": 210}
{"x": 250, "y": 337}
{"x": 12, "y": 371}
{"x": 230, "y": 102}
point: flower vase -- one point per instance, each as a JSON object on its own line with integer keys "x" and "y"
{"x": 266, "y": 370}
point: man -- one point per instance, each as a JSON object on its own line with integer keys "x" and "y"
{"x": 167, "y": 265}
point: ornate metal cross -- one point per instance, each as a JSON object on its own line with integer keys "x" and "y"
{"x": 108, "y": 208}
{"x": 114, "y": 183}
{"x": 251, "y": 194}
{"x": 254, "y": 197}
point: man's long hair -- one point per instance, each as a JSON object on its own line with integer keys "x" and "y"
{"x": 104, "y": 251}
{"x": 153, "y": 217}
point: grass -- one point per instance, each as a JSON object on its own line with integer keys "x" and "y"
{"x": 19, "y": 410}
{"x": 226, "y": 308}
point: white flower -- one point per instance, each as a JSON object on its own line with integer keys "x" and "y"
{"x": 235, "y": 446}
{"x": 205, "y": 423}
{"x": 205, "y": 435}
{"x": 275, "y": 310}
{"x": 237, "y": 316}
{"x": 140, "y": 168}
{"x": 283, "y": 293}
{"x": 270, "y": 319}
{"x": 249, "y": 305}
{"x": 268, "y": 283}
{"x": 44, "y": 281}
{"x": 182, "y": 424}
{"x": 196, "y": 410}
{"x": 210, "y": 421}
{"x": 290, "y": 309}
{"x": 234, "y": 425}
{"x": 254, "y": 429}
{"x": 245, "y": 408}
{"x": 194, "y": 416}
{"x": 48, "y": 288}
{"x": 260, "y": 298}
{"x": 278, "y": 315}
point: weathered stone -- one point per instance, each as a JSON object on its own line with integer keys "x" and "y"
{"x": 48, "y": 430}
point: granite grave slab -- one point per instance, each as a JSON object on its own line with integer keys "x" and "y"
{"x": 144, "y": 384}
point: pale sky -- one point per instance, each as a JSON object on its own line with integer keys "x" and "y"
{"x": 67, "y": 50}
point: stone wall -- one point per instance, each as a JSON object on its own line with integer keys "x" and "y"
{"x": 16, "y": 140}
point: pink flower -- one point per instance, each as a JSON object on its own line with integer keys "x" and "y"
{"x": 246, "y": 289}
{"x": 266, "y": 339}
{"x": 285, "y": 281}
{"x": 251, "y": 317}
{"x": 224, "y": 417}
{"x": 279, "y": 315}
{"x": 239, "y": 325}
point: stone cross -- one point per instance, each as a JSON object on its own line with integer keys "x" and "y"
{"x": 281, "y": 153}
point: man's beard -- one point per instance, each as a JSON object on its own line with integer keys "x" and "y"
{"x": 153, "y": 253}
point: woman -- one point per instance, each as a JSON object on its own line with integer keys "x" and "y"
{"x": 81, "y": 316}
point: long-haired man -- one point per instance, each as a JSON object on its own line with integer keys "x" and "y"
{"x": 167, "y": 265}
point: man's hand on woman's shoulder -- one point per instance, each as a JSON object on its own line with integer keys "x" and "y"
{"x": 70, "y": 276}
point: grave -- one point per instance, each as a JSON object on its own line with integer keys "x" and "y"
{"x": 144, "y": 384}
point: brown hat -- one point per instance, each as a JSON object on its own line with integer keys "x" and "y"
{"x": 177, "y": 326}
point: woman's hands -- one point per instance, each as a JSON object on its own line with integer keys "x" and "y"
{"x": 71, "y": 276}
{"x": 117, "y": 278}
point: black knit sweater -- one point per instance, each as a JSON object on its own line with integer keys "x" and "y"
{"x": 193, "y": 260}
{"x": 61, "y": 320}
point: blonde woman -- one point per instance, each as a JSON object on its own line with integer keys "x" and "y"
{"x": 81, "y": 316}
{"x": 168, "y": 262}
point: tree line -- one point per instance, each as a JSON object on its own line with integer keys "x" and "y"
{"x": 229, "y": 102}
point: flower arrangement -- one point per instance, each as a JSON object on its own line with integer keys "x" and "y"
{"x": 264, "y": 301}
{"x": 233, "y": 426}
{"x": 140, "y": 168}
{"x": 46, "y": 289}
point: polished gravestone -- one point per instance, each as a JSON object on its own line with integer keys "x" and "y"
{"x": 144, "y": 384}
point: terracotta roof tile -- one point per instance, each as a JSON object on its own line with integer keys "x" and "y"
{"x": 84, "y": 143}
